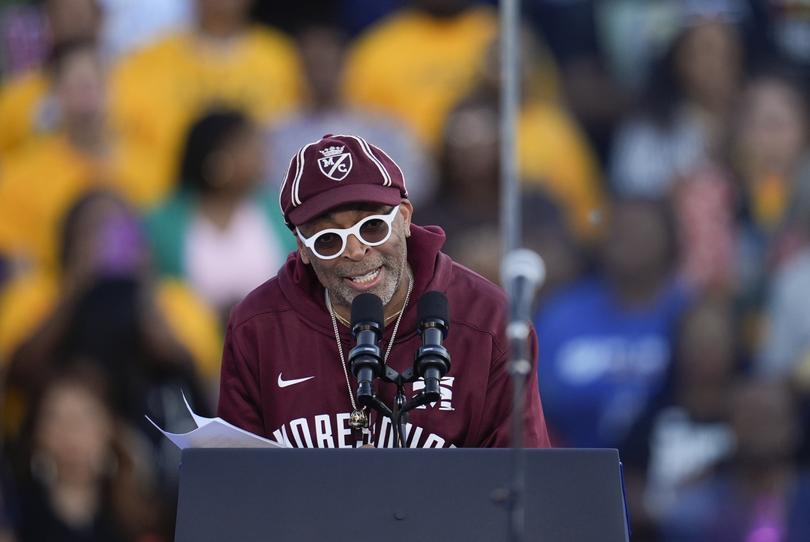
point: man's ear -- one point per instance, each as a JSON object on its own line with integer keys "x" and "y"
{"x": 406, "y": 210}
{"x": 302, "y": 250}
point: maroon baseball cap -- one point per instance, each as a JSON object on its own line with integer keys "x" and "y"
{"x": 337, "y": 170}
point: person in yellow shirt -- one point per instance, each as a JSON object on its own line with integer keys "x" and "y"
{"x": 553, "y": 154}
{"x": 419, "y": 62}
{"x": 25, "y": 110}
{"x": 223, "y": 61}
{"x": 102, "y": 303}
{"x": 39, "y": 181}
{"x": 27, "y": 106}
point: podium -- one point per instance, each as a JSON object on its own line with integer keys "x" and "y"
{"x": 413, "y": 495}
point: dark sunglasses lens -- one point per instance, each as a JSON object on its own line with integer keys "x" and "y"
{"x": 328, "y": 244}
{"x": 374, "y": 231}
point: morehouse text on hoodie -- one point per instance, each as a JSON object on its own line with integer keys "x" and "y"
{"x": 282, "y": 376}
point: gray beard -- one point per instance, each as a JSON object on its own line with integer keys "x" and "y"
{"x": 345, "y": 295}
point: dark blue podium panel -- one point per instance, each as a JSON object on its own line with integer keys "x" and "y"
{"x": 268, "y": 495}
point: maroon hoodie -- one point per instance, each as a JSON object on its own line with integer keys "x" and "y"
{"x": 282, "y": 376}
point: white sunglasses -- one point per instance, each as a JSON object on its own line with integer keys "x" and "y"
{"x": 372, "y": 231}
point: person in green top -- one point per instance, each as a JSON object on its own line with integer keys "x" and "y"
{"x": 221, "y": 230}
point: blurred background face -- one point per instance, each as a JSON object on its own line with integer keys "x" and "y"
{"x": 80, "y": 88}
{"x": 708, "y": 62}
{"x": 764, "y": 421}
{"x": 224, "y": 10}
{"x": 546, "y": 231}
{"x": 73, "y": 19}
{"x": 75, "y": 430}
{"x": 471, "y": 154}
{"x": 706, "y": 345}
{"x": 223, "y": 155}
{"x": 237, "y": 166}
{"x": 638, "y": 244}
{"x": 106, "y": 239}
{"x": 322, "y": 55}
{"x": 773, "y": 128}
{"x": 477, "y": 248}
{"x": 706, "y": 354}
{"x": 534, "y": 60}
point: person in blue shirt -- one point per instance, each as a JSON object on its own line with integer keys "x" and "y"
{"x": 606, "y": 341}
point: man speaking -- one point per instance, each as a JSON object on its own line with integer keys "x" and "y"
{"x": 285, "y": 368}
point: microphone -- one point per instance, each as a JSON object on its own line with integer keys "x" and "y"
{"x": 365, "y": 361}
{"x": 522, "y": 273}
{"x": 432, "y": 359}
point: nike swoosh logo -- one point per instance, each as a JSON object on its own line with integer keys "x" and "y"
{"x": 284, "y": 383}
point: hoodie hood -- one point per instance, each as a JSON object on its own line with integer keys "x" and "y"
{"x": 431, "y": 271}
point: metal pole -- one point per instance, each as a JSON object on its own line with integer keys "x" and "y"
{"x": 510, "y": 104}
{"x": 511, "y": 240}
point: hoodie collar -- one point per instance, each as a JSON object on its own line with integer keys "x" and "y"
{"x": 431, "y": 271}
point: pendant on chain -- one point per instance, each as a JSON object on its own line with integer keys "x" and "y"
{"x": 358, "y": 419}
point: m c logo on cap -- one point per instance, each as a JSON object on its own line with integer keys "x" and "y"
{"x": 335, "y": 163}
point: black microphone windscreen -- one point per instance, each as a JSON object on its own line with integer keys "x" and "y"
{"x": 433, "y": 305}
{"x": 367, "y": 308}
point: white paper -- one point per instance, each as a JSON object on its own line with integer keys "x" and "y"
{"x": 215, "y": 433}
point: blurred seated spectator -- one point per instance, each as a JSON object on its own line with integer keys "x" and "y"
{"x": 322, "y": 50}
{"x": 760, "y": 494}
{"x": 769, "y": 149}
{"x": 770, "y": 142}
{"x": 28, "y": 106}
{"x": 222, "y": 60}
{"x": 684, "y": 436}
{"x": 785, "y": 349}
{"x": 686, "y": 110}
{"x": 469, "y": 167}
{"x": 83, "y": 474}
{"x": 580, "y": 44}
{"x": 40, "y": 181}
{"x": 705, "y": 204}
{"x": 735, "y": 218}
{"x": 786, "y": 343}
{"x": 607, "y": 341}
{"x": 419, "y": 61}
{"x": 467, "y": 203}
{"x": 553, "y": 154}
{"x": 150, "y": 337}
{"x": 633, "y": 33}
{"x": 222, "y": 231}
{"x": 544, "y": 231}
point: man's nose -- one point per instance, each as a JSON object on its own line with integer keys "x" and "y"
{"x": 355, "y": 249}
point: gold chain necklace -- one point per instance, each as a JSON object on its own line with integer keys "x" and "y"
{"x": 359, "y": 418}
{"x": 349, "y": 324}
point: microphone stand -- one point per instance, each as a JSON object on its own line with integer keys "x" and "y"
{"x": 519, "y": 368}
{"x": 402, "y": 406}
{"x": 523, "y": 271}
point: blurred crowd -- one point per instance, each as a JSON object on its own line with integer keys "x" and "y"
{"x": 663, "y": 156}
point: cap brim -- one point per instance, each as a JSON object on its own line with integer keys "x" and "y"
{"x": 343, "y": 195}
